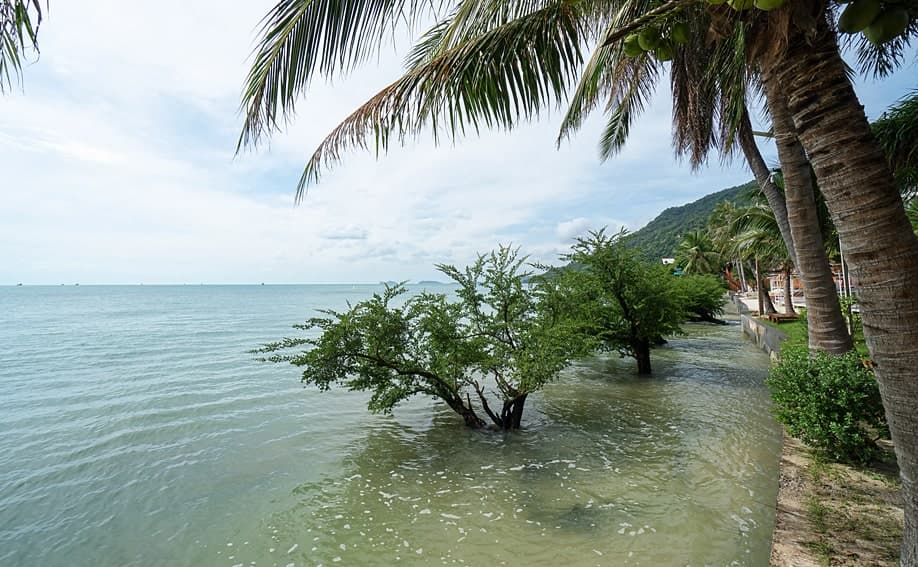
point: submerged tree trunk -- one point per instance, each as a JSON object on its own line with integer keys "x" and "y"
{"x": 788, "y": 292}
{"x": 512, "y": 414}
{"x": 825, "y": 324}
{"x": 641, "y": 350}
{"x": 466, "y": 413}
{"x": 875, "y": 234}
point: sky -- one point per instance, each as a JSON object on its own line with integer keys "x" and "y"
{"x": 119, "y": 166}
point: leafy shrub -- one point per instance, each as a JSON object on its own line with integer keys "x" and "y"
{"x": 831, "y": 402}
{"x": 702, "y": 296}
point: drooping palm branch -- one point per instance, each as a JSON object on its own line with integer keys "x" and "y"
{"x": 493, "y": 79}
{"x": 19, "y": 23}
{"x": 303, "y": 38}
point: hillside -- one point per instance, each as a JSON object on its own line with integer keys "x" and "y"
{"x": 660, "y": 237}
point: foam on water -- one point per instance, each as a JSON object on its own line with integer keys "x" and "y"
{"x": 138, "y": 430}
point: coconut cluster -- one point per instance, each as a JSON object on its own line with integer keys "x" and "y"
{"x": 659, "y": 40}
{"x": 662, "y": 39}
{"x": 879, "y": 21}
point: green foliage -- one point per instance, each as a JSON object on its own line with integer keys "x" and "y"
{"x": 625, "y": 303}
{"x": 701, "y": 296}
{"x": 696, "y": 254}
{"x": 397, "y": 346}
{"x": 19, "y": 22}
{"x": 897, "y": 132}
{"x": 831, "y": 402}
{"x": 661, "y": 237}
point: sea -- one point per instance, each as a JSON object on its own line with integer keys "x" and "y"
{"x": 137, "y": 428}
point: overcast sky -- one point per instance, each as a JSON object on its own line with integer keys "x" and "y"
{"x": 118, "y": 166}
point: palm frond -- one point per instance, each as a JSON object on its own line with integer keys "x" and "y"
{"x": 897, "y": 132}
{"x": 300, "y": 38}
{"x": 506, "y": 74}
{"x": 627, "y": 102}
{"x": 695, "y": 91}
{"x": 19, "y": 23}
{"x": 604, "y": 72}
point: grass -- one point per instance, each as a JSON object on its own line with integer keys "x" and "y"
{"x": 795, "y": 330}
{"x": 797, "y": 333}
{"x": 854, "y": 513}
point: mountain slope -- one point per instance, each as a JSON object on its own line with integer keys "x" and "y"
{"x": 661, "y": 236}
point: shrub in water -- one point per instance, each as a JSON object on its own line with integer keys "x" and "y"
{"x": 831, "y": 402}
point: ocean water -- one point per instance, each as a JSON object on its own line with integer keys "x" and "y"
{"x": 137, "y": 429}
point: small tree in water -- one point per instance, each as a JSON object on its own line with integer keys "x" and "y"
{"x": 627, "y": 304}
{"x": 501, "y": 330}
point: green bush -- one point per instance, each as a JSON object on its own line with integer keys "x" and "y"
{"x": 830, "y": 402}
{"x": 702, "y": 297}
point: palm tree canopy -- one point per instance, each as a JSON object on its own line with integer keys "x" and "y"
{"x": 488, "y": 63}
{"x": 697, "y": 255}
{"x": 494, "y": 63}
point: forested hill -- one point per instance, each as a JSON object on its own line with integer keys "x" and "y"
{"x": 661, "y": 236}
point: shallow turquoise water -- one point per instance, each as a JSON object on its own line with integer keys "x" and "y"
{"x": 136, "y": 429}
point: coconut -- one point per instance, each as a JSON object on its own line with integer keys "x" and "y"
{"x": 664, "y": 51}
{"x": 739, "y": 5}
{"x": 679, "y": 33}
{"x": 768, "y": 5}
{"x": 888, "y": 25}
{"x": 649, "y": 38}
{"x": 858, "y": 15}
{"x": 631, "y": 47}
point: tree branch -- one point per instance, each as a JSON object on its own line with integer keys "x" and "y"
{"x": 617, "y": 34}
{"x": 487, "y": 408}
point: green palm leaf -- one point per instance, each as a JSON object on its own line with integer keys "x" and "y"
{"x": 19, "y": 23}
{"x": 508, "y": 73}
{"x": 303, "y": 37}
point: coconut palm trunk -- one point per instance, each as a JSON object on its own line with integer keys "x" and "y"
{"x": 788, "y": 290}
{"x": 763, "y": 177}
{"x": 766, "y": 305}
{"x": 876, "y": 237}
{"x": 825, "y": 323}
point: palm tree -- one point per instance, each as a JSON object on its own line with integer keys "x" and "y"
{"x": 492, "y": 63}
{"x": 19, "y": 22}
{"x": 704, "y": 100}
{"x": 751, "y": 234}
{"x": 696, "y": 254}
{"x": 875, "y": 234}
{"x": 826, "y": 327}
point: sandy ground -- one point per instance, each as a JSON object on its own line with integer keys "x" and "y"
{"x": 832, "y": 514}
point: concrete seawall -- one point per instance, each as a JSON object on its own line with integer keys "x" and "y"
{"x": 767, "y": 338}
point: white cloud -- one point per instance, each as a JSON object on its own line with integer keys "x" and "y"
{"x": 571, "y": 229}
